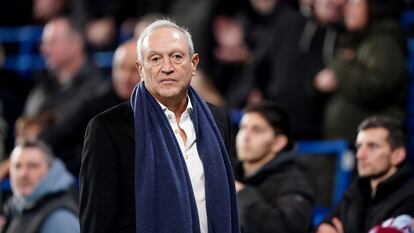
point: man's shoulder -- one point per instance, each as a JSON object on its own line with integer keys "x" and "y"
{"x": 217, "y": 112}
{"x": 61, "y": 220}
{"x": 122, "y": 111}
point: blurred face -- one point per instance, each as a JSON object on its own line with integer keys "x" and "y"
{"x": 374, "y": 154}
{"x": 356, "y": 14}
{"x": 59, "y": 47}
{"x": 124, "y": 73}
{"x": 28, "y": 166}
{"x": 255, "y": 138}
{"x": 45, "y": 9}
{"x": 263, "y": 6}
{"x": 329, "y": 11}
{"x": 167, "y": 67}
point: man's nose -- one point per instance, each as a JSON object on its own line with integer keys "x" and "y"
{"x": 166, "y": 66}
{"x": 361, "y": 153}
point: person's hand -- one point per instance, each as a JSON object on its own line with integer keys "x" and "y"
{"x": 328, "y": 228}
{"x": 347, "y": 54}
{"x": 239, "y": 186}
{"x": 325, "y": 81}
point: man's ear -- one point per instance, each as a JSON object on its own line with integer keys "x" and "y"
{"x": 398, "y": 155}
{"x": 139, "y": 68}
{"x": 279, "y": 142}
{"x": 194, "y": 62}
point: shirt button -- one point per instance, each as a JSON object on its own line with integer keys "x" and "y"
{"x": 176, "y": 131}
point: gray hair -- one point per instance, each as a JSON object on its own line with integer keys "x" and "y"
{"x": 162, "y": 23}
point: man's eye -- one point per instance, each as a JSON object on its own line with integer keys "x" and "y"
{"x": 155, "y": 60}
{"x": 177, "y": 57}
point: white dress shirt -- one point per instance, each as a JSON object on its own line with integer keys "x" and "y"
{"x": 192, "y": 159}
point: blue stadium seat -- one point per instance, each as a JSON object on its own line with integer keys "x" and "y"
{"x": 344, "y": 167}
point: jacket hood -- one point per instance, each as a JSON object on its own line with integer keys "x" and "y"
{"x": 58, "y": 179}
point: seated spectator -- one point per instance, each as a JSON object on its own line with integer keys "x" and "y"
{"x": 41, "y": 200}
{"x": 384, "y": 188}
{"x": 66, "y": 137}
{"x": 368, "y": 76}
{"x": 275, "y": 194}
{"x": 71, "y": 78}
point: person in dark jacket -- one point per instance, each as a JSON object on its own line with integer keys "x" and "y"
{"x": 384, "y": 188}
{"x": 66, "y": 137}
{"x": 43, "y": 196}
{"x": 159, "y": 163}
{"x": 275, "y": 194}
{"x": 368, "y": 75}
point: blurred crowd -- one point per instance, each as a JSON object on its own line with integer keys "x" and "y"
{"x": 329, "y": 64}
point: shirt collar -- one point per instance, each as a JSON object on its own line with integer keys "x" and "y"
{"x": 188, "y": 109}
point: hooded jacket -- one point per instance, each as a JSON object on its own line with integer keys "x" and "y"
{"x": 50, "y": 208}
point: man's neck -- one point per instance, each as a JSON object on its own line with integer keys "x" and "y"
{"x": 65, "y": 74}
{"x": 374, "y": 182}
{"x": 175, "y": 105}
{"x": 252, "y": 167}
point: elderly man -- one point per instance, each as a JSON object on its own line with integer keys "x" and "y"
{"x": 384, "y": 189}
{"x": 159, "y": 163}
{"x": 41, "y": 201}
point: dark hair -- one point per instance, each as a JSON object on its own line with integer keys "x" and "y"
{"x": 396, "y": 132}
{"x": 38, "y": 144}
{"x": 378, "y": 9}
{"x": 277, "y": 118}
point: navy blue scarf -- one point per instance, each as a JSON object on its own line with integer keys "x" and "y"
{"x": 163, "y": 193}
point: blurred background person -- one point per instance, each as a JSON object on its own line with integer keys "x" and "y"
{"x": 66, "y": 137}
{"x": 274, "y": 194}
{"x": 385, "y": 185}
{"x": 70, "y": 77}
{"x": 41, "y": 201}
{"x": 69, "y": 81}
{"x": 368, "y": 76}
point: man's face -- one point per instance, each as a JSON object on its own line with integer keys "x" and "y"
{"x": 58, "y": 45}
{"x": 263, "y": 7}
{"x": 28, "y": 166}
{"x": 124, "y": 73}
{"x": 167, "y": 68}
{"x": 329, "y": 11}
{"x": 255, "y": 138}
{"x": 374, "y": 153}
{"x": 356, "y": 14}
